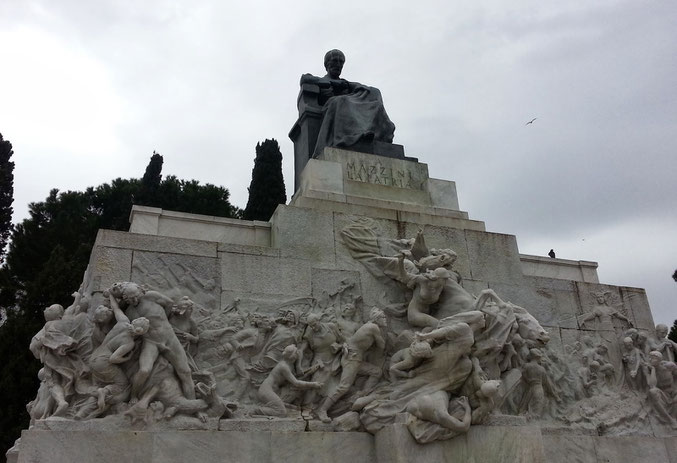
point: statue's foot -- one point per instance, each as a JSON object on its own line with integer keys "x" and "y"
{"x": 61, "y": 409}
{"x": 322, "y": 416}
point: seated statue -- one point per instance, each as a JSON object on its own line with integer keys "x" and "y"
{"x": 350, "y": 111}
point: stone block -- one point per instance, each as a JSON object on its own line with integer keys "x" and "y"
{"x": 493, "y": 257}
{"x": 265, "y": 275}
{"x": 569, "y": 448}
{"x": 637, "y": 307}
{"x": 394, "y": 444}
{"x": 671, "y": 447}
{"x": 117, "y": 239}
{"x": 387, "y": 174}
{"x": 304, "y": 234}
{"x": 312, "y": 447}
{"x": 264, "y": 424}
{"x": 443, "y": 193}
{"x": 177, "y": 275}
{"x": 486, "y": 444}
{"x": 211, "y": 447}
{"x": 551, "y": 308}
{"x": 245, "y": 249}
{"x": 630, "y": 449}
{"x": 86, "y": 446}
{"x": 144, "y": 220}
{"x": 325, "y": 176}
{"x": 106, "y": 266}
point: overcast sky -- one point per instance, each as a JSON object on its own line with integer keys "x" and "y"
{"x": 88, "y": 89}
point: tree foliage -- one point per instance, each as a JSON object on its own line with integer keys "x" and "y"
{"x": 672, "y": 335}
{"x": 47, "y": 257}
{"x": 266, "y": 190}
{"x": 6, "y": 192}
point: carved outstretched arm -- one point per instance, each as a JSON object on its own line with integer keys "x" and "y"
{"x": 289, "y": 376}
{"x": 122, "y": 353}
{"x": 620, "y": 316}
{"x": 119, "y": 314}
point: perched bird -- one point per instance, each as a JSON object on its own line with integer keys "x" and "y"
{"x": 531, "y": 121}
{"x": 552, "y": 253}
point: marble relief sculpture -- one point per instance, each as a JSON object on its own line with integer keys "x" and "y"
{"x": 429, "y": 349}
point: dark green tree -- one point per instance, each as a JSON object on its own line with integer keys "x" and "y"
{"x": 6, "y": 192}
{"x": 266, "y": 190}
{"x": 672, "y": 335}
{"x": 150, "y": 182}
{"x": 46, "y": 258}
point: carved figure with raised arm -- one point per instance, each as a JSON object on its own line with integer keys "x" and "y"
{"x": 660, "y": 342}
{"x": 160, "y": 339}
{"x": 281, "y": 375}
{"x": 661, "y": 381}
{"x": 427, "y": 289}
{"x": 113, "y": 386}
{"x": 322, "y": 344}
{"x": 367, "y": 337}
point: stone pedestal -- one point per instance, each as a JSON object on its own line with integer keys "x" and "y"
{"x": 301, "y": 254}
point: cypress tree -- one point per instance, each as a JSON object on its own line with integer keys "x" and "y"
{"x": 150, "y": 183}
{"x": 266, "y": 190}
{"x": 6, "y": 192}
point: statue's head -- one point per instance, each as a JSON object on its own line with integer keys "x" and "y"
{"x": 290, "y": 353}
{"x": 103, "y": 314}
{"x": 661, "y": 330}
{"x": 655, "y": 357}
{"x": 333, "y": 63}
{"x": 377, "y": 316}
{"x": 421, "y": 350}
{"x": 184, "y": 306}
{"x": 131, "y": 293}
{"x": 627, "y": 342}
{"x": 313, "y": 321}
{"x": 53, "y": 312}
{"x": 140, "y": 326}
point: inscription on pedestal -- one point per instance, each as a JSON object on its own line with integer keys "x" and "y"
{"x": 380, "y": 174}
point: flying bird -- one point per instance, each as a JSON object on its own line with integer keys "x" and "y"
{"x": 531, "y": 121}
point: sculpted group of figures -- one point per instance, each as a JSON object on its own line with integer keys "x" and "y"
{"x": 445, "y": 357}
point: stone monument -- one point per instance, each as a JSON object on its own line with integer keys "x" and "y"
{"x": 369, "y": 320}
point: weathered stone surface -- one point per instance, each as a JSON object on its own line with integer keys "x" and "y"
{"x": 637, "y": 306}
{"x": 116, "y": 239}
{"x": 264, "y": 424}
{"x": 106, "y": 266}
{"x": 89, "y": 446}
{"x": 175, "y": 276}
{"x": 154, "y": 221}
{"x": 355, "y": 447}
{"x": 630, "y": 449}
{"x": 493, "y": 257}
{"x": 569, "y": 448}
{"x": 482, "y": 443}
{"x": 671, "y": 447}
{"x": 263, "y": 274}
{"x": 212, "y": 447}
{"x": 243, "y": 249}
{"x": 551, "y": 307}
{"x": 443, "y": 193}
{"x": 303, "y": 234}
